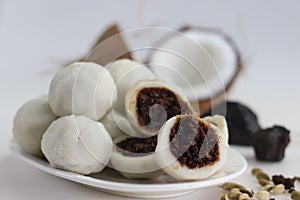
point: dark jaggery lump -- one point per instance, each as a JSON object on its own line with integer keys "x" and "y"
{"x": 288, "y": 183}
{"x": 137, "y": 146}
{"x": 155, "y": 105}
{"x": 242, "y": 121}
{"x": 193, "y": 142}
{"x": 270, "y": 143}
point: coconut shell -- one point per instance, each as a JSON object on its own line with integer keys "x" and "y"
{"x": 108, "y": 47}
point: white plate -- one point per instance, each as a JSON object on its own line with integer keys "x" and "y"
{"x": 111, "y": 181}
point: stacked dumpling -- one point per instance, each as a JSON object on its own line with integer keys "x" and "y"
{"x": 121, "y": 114}
{"x": 30, "y": 123}
{"x": 65, "y": 129}
{"x": 78, "y": 144}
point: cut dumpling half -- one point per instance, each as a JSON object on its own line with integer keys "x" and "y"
{"x": 149, "y": 104}
{"x": 135, "y": 157}
{"x": 191, "y": 148}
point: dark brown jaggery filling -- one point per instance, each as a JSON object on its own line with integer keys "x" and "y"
{"x": 193, "y": 142}
{"x": 137, "y": 146}
{"x": 155, "y": 105}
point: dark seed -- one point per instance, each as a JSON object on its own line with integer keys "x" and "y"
{"x": 278, "y": 179}
{"x": 289, "y": 183}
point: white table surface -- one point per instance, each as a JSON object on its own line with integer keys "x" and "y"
{"x": 36, "y": 37}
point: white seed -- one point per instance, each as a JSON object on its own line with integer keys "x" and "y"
{"x": 262, "y": 195}
{"x": 244, "y": 196}
{"x": 234, "y": 193}
{"x": 277, "y": 189}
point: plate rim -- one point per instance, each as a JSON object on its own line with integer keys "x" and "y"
{"x": 126, "y": 187}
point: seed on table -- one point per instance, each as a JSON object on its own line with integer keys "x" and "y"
{"x": 295, "y": 195}
{"x": 250, "y": 193}
{"x": 262, "y": 175}
{"x": 262, "y": 195}
{"x": 230, "y": 185}
{"x": 263, "y": 182}
{"x": 277, "y": 189}
{"x": 234, "y": 194}
{"x": 255, "y": 171}
{"x": 244, "y": 196}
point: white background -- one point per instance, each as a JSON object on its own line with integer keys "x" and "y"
{"x": 37, "y": 37}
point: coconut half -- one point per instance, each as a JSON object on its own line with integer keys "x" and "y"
{"x": 202, "y": 62}
{"x": 191, "y": 148}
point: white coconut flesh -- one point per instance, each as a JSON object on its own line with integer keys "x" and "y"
{"x": 187, "y": 155}
{"x": 220, "y": 122}
{"x": 132, "y": 161}
{"x": 77, "y": 144}
{"x": 201, "y": 62}
{"x": 150, "y": 103}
